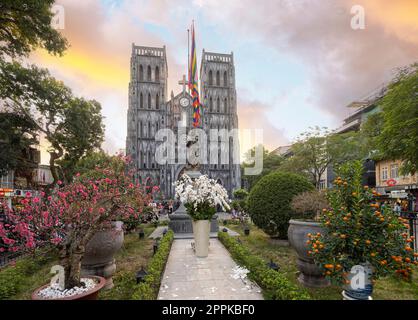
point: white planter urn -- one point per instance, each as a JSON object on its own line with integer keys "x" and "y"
{"x": 201, "y": 229}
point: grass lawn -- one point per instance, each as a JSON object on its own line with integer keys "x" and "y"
{"x": 134, "y": 254}
{"x": 259, "y": 243}
{"x": 36, "y": 271}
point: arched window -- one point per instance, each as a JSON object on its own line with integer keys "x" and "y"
{"x": 218, "y": 105}
{"x": 157, "y": 101}
{"x": 218, "y": 78}
{"x": 226, "y": 105}
{"x": 225, "y": 79}
{"x": 140, "y": 129}
{"x": 210, "y": 78}
{"x": 149, "y": 101}
{"x": 157, "y": 74}
{"x": 149, "y": 130}
{"x": 149, "y": 73}
{"x": 141, "y": 73}
{"x": 141, "y": 100}
{"x": 210, "y": 104}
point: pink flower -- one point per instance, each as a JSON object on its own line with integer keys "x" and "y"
{"x": 101, "y": 210}
{"x": 56, "y": 240}
{"x": 28, "y": 194}
{"x": 77, "y": 174}
{"x": 36, "y": 200}
{"x": 59, "y": 182}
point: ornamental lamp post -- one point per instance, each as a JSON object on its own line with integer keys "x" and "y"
{"x": 273, "y": 265}
{"x": 140, "y": 275}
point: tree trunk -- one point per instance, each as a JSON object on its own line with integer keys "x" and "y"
{"x": 70, "y": 259}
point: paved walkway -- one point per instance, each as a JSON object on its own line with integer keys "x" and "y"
{"x": 187, "y": 277}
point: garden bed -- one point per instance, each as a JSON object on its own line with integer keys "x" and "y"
{"x": 259, "y": 244}
{"x": 18, "y": 281}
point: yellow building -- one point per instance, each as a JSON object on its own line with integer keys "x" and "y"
{"x": 391, "y": 182}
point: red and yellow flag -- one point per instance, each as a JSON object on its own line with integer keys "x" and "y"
{"x": 193, "y": 84}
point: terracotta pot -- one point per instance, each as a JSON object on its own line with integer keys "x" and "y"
{"x": 201, "y": 230}
{"x": 310, "y": 274}
{"x": 88, "y": 295}
{"x": 98, "y": 259}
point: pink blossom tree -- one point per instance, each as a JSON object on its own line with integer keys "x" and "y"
{"x": 70, "y": 216}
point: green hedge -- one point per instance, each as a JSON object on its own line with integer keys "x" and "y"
{"x": 148, "y": 290}
{"x": 274, "y": 284}
{"x": 14, "y": 278}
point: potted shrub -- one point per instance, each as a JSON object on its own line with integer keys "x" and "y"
{"x": 201, "y": 196}
{"x": 360, "y": 240}
{"x": 306, "y": 207}
{"x": 269, "y": 201}
{"x": 68, "y": 219}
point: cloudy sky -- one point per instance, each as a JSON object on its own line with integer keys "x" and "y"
{"x": 298, "y": 62}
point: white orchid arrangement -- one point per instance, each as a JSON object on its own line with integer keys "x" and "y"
{"x": 201, "y": 196}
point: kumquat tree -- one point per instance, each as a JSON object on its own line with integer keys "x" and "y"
{"x": 357, "y": 231}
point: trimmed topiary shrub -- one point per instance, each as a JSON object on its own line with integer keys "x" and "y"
{"x": 148, "y": 290}
{"x": 270, "y": 198}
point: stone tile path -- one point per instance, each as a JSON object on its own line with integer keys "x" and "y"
{"x": 187, "y": 277}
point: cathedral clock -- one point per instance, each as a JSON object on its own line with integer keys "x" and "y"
{"x": 184, "y": 102}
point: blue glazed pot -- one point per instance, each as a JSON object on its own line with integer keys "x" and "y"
{"x": 360, "y": 286}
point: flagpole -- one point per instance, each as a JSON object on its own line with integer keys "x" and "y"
{"x": 188, "y": 59}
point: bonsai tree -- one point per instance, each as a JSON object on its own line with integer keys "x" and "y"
{"x": 70, "y": 216}
{"x": 269, "y": 201}
{"x": 356, "y": 232}
{"x": 307, "y": 205}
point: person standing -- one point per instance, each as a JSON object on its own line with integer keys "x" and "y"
{"x": 397, "y": 208}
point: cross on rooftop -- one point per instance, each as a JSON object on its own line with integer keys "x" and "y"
{"x": 184, "y": 83}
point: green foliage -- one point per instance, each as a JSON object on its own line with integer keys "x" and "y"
{"x": 274, "y": 284}
{"x": 269, "y": 201}
{"x": 356, "y": 231}
{"x": 73, "y": 126}
{"x": 148, "y": 290}
{"x": 241, "y": 200}
{"x": 26, "y": 25}
{"x": 17, "y": 136}
{"x": 203, "y": 211}
{"x": 394, "y": 133}
{"x": 271, "y": 162}
{"x": 13, "y": 278}
{"x": 316, "y": 149}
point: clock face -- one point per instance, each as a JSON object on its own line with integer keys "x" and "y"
{"x": 184, "y": 102}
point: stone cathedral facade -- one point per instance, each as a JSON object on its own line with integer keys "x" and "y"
{"x": 151, "y": 109}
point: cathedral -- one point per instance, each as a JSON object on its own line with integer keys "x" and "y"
{"x": 151, "y": 109}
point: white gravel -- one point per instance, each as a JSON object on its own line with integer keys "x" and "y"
{"x": 53, "y": 292}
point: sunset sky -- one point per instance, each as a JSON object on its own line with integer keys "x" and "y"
{"x": 298, "y": 62}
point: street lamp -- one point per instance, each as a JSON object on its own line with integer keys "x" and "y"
{"x": 155, "y": 246}
{"x": 273, "y": 265}
{"x": 140, "y": 275}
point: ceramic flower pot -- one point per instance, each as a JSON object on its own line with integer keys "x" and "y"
{"x": 310, "y": 274}
{"x": 201, "y": 229}
{"x": 360, "y": 285}
{"x": 99, "y": 259}
{"x": 88, "y": 295}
